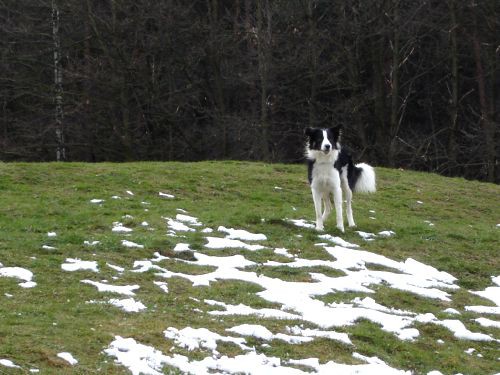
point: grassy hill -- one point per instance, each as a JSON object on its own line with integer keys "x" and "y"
{"x": 449, "y": 224}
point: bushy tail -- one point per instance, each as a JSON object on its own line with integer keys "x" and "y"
{"x": 365, "y": 182}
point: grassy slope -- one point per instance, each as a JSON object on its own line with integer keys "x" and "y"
{"x": 36, "y": 324}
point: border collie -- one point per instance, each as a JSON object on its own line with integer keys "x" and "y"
{"x": 331, "y": 171}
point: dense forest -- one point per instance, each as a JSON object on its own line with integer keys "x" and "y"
{"x": 415, "y": 83}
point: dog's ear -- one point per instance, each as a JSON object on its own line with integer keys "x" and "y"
{"x": 337, "y": 131}
{"x": 308, "y": 132}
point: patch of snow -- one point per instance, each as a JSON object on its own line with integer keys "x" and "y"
{"x": 47, "y": 247}
{"x": 366, "y": 235}
{"x": 68, "y": 357}
{"x": 165, "y": 195}
{"x": 332, "y": 335}
{"x": 187, "y": 219}
{"x": 484, "y": 309}
{"x": 247, "y": 311}
{"x": 8, "y": 363}
{"x": 91, "y": 243}
{"x": 492, "y": 293}
{"x": 223, "y": 243}
{"x": 182, "y": 247}
{"x": 96, "y": 201}
{"x": 51, "y": 234}
{"x": 142, "y": 359}
{"x": 72, "y": 265}
{"x": 386, "y": 233}
{"x": 19, "y": 273}
{"x": 200, "y": 338}
{"x": 178, "y": 226}
{"x": 163, "y": 285}
{"x": 488, "y": 322}
{"x": 126, "y": 290}
{"x": 129, "y": 192}
{"x": 283, "y": 251}
{"x": 461, "y": 332}
{"x": 132, "y": 244}
{"x": 240, "y": 234}
{"x": 116, "y": 268}
{"x": 128, "y": 305}
{"x": 263, "y": 333}
{"x": 452, "y": 311}
{"x": 119, "y": 228}
{"x": 337, "y": 240}
{"x": 302, "y": 223}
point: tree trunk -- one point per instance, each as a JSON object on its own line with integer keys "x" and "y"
{"x": 394, "y": 119}
{"x": 58, "y": 87}
{"x": 486, "y": 121}
{"x": 215, "y": 62}
{"x": 313, "y": 64}
{"x": 263, "y": 41}
{"x": 452, "y": 137}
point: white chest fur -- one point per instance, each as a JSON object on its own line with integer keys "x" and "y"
{"x": 324, "y": 175}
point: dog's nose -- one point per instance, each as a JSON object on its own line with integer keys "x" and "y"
{"x": 327, "y": 147}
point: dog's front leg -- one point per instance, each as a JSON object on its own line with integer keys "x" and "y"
{"x": 337, "y": 200}
{"x": 317, "y": 207}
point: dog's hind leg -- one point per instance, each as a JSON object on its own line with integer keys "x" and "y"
{"x": 337, "y": 200}
{"x": 328, "y": 206}
{"x": 317, "y": 207}
{"x": 348, "y": 197}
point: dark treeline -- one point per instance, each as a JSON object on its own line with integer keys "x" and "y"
{"x": 414, "y": 82}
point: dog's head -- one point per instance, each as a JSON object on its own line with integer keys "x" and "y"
{"x": 324, "y": 140}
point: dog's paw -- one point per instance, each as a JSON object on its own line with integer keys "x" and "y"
{"x": 320, "y": 227}
{"x": 340, "y": 228}
{"x": 352, "y": 225}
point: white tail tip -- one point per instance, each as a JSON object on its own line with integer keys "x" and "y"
{"x": 366, "y": 182}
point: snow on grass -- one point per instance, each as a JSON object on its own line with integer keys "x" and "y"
{"x": 68, "y": 357}
{"x": 193, "y": 339}
{"x": 188, "y": 219}
{"x": 127, "y": 290}
{"x": 298, "y": 335}
{"x": 240, "y": 234}
{"x": 366, "y": 235}
{"x": 493, "y": 294}
{"x": 178, "y": 226}
{"x": 116, "y": 268}
{"x": 461, "y": 332}
{"x": 165, "y": 195}
{"x": 19, "y": 273}
{"x": 128, "y": 304}
{"x": 283, "y": 251}
{"x": 97, "y": 201}
{"x": 131, "y": 244}
{"x": 79, "y": 265}
{"x": 182, "y": 247}
{"x": 8, "y": 363}
{"x": 120, "y": 228}
{"x": 488, "y": 322}
{"x": 224, "y": 243}
{"x": 302, "y": 223}
{"x": 337, "y": 240}
{"x": 143, "y": 359}
{"x": 91, "y": 243}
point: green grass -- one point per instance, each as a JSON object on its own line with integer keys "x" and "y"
{"x": 38, "y": 323}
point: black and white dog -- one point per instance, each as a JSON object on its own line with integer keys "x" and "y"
{"x": 331, "y": 171}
